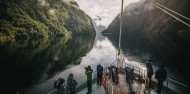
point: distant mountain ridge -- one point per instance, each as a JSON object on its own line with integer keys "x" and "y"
{"x": 34, "y": 19}
{"x": 144, "y": 17}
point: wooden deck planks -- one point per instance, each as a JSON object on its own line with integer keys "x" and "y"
{"x": 123, "y": 88}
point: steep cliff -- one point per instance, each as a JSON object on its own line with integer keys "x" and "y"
{"x": 34, "y": 19}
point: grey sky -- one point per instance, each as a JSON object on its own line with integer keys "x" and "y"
{"x": 106, "y": 9}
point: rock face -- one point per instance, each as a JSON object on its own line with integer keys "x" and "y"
{"x": 34, "y": 19}
{"x": 143, "y": 17}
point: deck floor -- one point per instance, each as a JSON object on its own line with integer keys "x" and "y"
{"x": 122, "y": 87}
{"x": 96, "y": 89}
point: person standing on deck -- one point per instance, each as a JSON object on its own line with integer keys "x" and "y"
{"x": 88, "y": 73}
{"x": 132, "y": 75}
{"x": 130, "y": 80}
{"x": 161, "y": 75}
{"x": 127, "y": 74}
{"x": 110, "y": 72}
{"x": 99, "y": 74}
{"x": 71, "y": 84}
{"x": 149, "y": 74}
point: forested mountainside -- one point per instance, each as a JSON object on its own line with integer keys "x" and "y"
{"x": 34, "y": 19}
{"x": 144, "y": 17}
{"x": 148, "y": 30}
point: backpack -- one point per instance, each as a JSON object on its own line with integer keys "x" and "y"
{"x": 58, "y": 83}
{"x": 61, "y": 80}
{"x": 163, "y": 75}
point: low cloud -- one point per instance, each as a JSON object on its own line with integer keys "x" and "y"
{"x": 107, "y": 10}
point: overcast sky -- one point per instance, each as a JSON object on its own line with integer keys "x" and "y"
{"x": 106, "y": 9}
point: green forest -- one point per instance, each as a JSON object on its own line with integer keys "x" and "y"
{"x": 42, "y": 19}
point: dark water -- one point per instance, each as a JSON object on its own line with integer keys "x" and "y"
{"x": 25, "y": 63}
{"x": 167, "y": 49}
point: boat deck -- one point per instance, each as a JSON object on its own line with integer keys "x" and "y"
{"x": 96, "y": 89}
{"x": 122, "y": 87}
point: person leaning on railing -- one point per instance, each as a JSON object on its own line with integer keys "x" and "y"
{"x": 129, "y": 78}
{"x": 127, "y": 74}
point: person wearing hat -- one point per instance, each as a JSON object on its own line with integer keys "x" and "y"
{"x": 71, "y": 84}
{"x": 88, "y": 73}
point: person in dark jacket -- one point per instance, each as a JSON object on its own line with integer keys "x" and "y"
{"x": 149, "y": 73}
{"x": 113, "y": 73}
{"x": 71, "y": 84}
{"x": 127, "y": 74}
{"x": 132, "y": 75}
{"x": 161, "y": 75}
{"x": 88, "y": 73}
{"x": 99, "y": 74}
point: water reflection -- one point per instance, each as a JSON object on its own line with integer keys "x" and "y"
{"x": 26, "y": 63}
{"x": 103, "y": 52}
{"x": 168, "y": 49}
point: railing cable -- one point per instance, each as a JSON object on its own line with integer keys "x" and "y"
{"x": 171, "y": 14}
{"x": 170, "y": 10}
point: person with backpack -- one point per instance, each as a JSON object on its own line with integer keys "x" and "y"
{"x": 99, "y": 74}
{"x": 88, "y": 73}
{"x": 130, "y": 80}
{"x": 58, "y": 83}
{"x": 161, "y": 75}
{"x": 149, "y": 74}
{"x": 127, "y": 74}
{"x": 71, "y": 84}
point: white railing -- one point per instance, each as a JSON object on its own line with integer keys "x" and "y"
{"x": 109, "y": 86}
{"x": 82, "y": 83}
{"x": 82, "y": 80}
